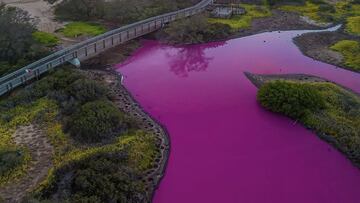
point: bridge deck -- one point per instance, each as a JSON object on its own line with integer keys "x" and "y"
{"x": 94, "y": 46}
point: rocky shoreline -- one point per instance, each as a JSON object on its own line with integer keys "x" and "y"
{"x": 126, "y": 103}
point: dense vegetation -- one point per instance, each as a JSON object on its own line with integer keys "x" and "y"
{"x": 350, "y": 50}
{"x": 195, "y": 29}
{"x": 96, "y": 121}
{"x": 324, "y": 11}
{"x": 330, "y": 110}
{"x": 117, "y": 11}
{"x": 72, "y": 120}
{"x": 17, "y": 46}
{"x": 13, "y": 163}
{"x": 295, "y": 100}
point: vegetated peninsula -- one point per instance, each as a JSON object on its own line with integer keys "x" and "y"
{"x": 332, "y": 111}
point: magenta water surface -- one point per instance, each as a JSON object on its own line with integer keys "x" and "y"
{"x": 224, "y": 147}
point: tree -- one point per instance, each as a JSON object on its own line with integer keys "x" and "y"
{"x": 80, "y": 9}
{"x": 15, "y": 34}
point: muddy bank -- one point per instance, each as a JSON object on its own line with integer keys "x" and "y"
{"x": 115, "y": 55}
{"x": 316, "y": 46}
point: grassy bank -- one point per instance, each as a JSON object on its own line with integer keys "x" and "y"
{"x": 76, "y": 29}
{"x": 244, "y": 21}
{"x": 331, "y": 111}
{"x": 45, "y": 38}
{"x": 351, "y": 52}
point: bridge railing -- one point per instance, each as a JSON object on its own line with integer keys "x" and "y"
{"x": 95, "y": 45}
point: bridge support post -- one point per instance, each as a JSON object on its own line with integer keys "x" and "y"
{"x": 75, "y": 62}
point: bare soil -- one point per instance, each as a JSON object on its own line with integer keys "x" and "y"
{"x": 42, "y": 11}
{"x": 41, "y": 151}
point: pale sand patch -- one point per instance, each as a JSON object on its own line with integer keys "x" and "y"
{"x": 40, "y": 10}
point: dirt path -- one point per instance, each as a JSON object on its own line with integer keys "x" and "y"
{"x": 40, "y": 10}
{"x": 41, "y": 153}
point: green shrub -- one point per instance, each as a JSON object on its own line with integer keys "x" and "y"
{"x": 292, "y": 99}
{"x": 45, "y": 38}
{"x": 103, "y": 177}
{"x": 85, "y": 90}
{"x": 97, "y": 121}
{"x": 9, "y": 160}
{"x": 351, "y": 52}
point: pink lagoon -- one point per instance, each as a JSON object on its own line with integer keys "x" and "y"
{"x": 225, "y": 148}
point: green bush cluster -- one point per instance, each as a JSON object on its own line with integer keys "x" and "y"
{"x": 103, "y": 177}
{"x": 195, "y": 29}
{"x": 10, "y": 160}
{"x": 350, "y": 50}
{"x": 97, "y": 121}
{"x": 102, "y": 174}
{"x": 292, "y": 99}
{"x": 331, "y": 111}
{"x": 82, "y": 102}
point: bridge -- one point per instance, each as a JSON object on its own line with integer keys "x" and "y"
{"x": 93, "y": 46}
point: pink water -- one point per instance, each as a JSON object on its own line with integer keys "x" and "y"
{"x": 224, "y": 147}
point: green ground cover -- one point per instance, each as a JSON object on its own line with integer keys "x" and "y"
{"x": 46, "y": 38}
{"x": 351, "y": 52}
{"x": 322, "y": 11}
{"x": 76, "y": 29}
{"x": 353, "y": 25}
{"x": 330, "y": 110}
{"x": 244, "y": 21}
{"x": 308, "y": 9}
{"x": 12, "y": 117}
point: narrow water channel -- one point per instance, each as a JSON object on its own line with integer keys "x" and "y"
{"x": 225, "y": 148}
